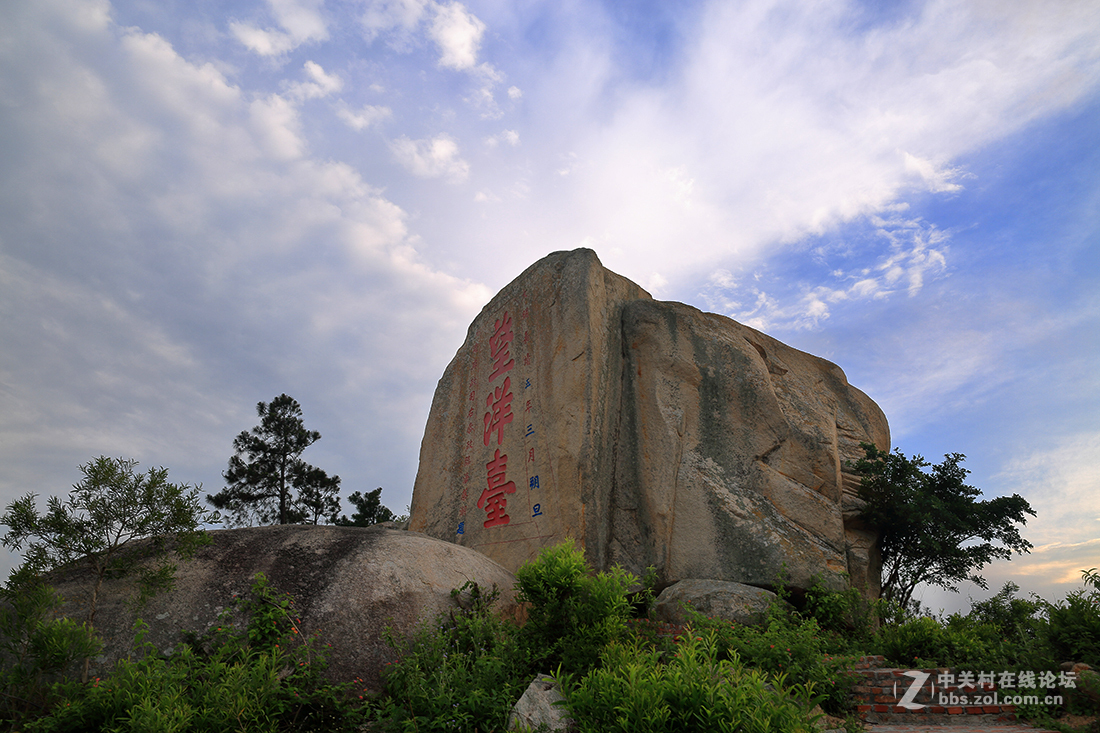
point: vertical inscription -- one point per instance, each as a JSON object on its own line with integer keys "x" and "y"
{"x": 500, "y": 428}
{"x": 498, "y": 413}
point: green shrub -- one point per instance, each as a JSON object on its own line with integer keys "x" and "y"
{"x": 34, "y": 648}
{"x": 462, "y": 672}
{"x": 233, "y": 680}
{"x": 639, "y": 690}
{"x": 572, "y": 614}
{"x": 1073, "y": 630}
{"x": 786, "y": 646}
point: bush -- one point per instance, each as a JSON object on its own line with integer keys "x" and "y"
{"x": 34, "y": 648}
{"x": 238, "y": 680}
{"x": 636, "y": 690}
{"x": 1073, "y": 630}
{"x": 787, "y": 647}
{"x": 847, "y": 619}
{"x": 572, "y": 614}
{"x": 462, "y": 672}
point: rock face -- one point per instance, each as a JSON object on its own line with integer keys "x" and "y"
{"x": 651, "y": 432}
{"x": 348, "y": 583}
{"x": 541, "y": 708}
{"x": 745, "y": 604}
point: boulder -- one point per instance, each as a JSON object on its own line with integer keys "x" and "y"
{"x": 652, "y": 433}
{"x": 540, "y": 708}
{"x": 348, "y": 585}
{"x": 722, "y": 599}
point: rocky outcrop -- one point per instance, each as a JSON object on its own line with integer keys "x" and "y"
{"x": 651, "y": 432}
{"x": 743, "y": 604}
{"x": 348, "y": 584}
{"x": 541, "y": 708}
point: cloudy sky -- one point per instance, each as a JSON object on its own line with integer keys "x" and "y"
{"x": 205, "y": 203}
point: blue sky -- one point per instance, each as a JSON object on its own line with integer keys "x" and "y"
{"x": 205, "y": 204}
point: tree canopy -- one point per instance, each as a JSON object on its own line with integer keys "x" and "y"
{"x": 368, "y": 510}
{"x": 267, "y": 481}
{"x": 933, "y": 528}
{"x": 115, "y": 522}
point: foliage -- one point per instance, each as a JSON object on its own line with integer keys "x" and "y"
{"x": 1073, "y": 628}
{"x": 788, "y": 646}
{"x": 98, "y": 526}
{"x": 846, "y": 618}
{"x": 368, "y": 510}
{"x": 462, "y": 672}
{"x": 262, "y": 678}
{"x": 572, "y": 614}
{"x": 35, "y": 647}
{"x": 636, "y": 690}
{"x": 930, "y": 522}
{"x": 267, "y": 481}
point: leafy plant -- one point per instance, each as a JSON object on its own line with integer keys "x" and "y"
{"x": 114, "y": 523}
{"x": 573, "y": 614}
{"x": 235, "y": 679}
{"x": 267, "y": 480}
{"x": 786, "y": 646}
{"x": 933, "y": 528}
{"x": 461, "y": 672}
{"x": 368, "y": 510}
{"x": 638, "y": 690}
{"x": 35, "y": 647}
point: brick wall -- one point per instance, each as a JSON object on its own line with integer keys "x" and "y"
{"x": 880, "y": 689}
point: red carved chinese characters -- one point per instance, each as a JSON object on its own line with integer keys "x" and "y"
{"x": 492, "y": 499}
{"x": 499, "y": 404}
{"x": 500, "y": 347}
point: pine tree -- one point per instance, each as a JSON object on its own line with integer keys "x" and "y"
{"x": 267, "y": 482}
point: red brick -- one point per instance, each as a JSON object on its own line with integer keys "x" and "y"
{"x": 938, "y": 709}
{"x": 974, "y": 710}
{"x": 863, "y": 708}
{"x": 955, "y": 711}
{"x": 881, "y": 708}
{"x": 991, "y": 708}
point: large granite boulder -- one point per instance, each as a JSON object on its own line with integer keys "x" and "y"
{"x": 724, "y": 599}
{"x": 650, "y": 432}
{"x": 348, "y": 584}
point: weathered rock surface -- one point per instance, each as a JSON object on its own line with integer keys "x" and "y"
{"x": 723, "y": 599}
{"x": 651, "y": 432}
{"x": 540, "y": 706}
{"x": 348, "y": 583}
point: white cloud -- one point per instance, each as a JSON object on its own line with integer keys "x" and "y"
{"x": 383, "y": 16}
{"x": 514, "y": 92}
{"x": 157, "y": 226}
{"x": 276, "y": 120}
{"x": 300, "y": 20}
{"x": 915, "y": 251}
{"x": 319, "y": 85}
{"x": 364, "y": 117}
{"x": 457, "y": 32}
{"x": 509, "y": 137}
{"x": 793, "y": 128}
{"x": 437, "y": 157}
{"x": 936, "y": 179}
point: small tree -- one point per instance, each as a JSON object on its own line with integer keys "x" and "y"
{"x": 98, "y": 527}
{"x": 933, "y": 529}
{"x": 267, "y": 481}
{"x": 368, "y": 510}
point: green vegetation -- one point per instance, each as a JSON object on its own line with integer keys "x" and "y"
{"x": 931, "y": 522}
{"x": 618, "y": 669}
{"x": 267, "y": 481}
{"x": 368, "y": 510}
{"x": 263, "y": 677}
